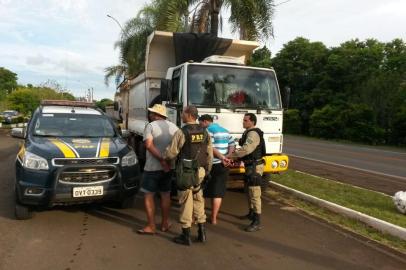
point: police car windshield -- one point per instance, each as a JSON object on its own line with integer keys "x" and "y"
{"x": 73, "y": 125}
{"x": 232, "y": 87}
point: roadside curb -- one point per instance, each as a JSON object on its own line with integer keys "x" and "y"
{"x": 378, "y": 224}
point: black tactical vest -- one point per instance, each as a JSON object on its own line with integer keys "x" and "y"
{"x": 260, "y": 150}
{"x": 196, "y": 138}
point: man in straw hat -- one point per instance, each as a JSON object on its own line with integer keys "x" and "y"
{"x": 157, "y": 176}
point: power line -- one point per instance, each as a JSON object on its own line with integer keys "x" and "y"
{"x": 281, "y": 3}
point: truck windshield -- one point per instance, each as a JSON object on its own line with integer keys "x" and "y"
{"x": 232, "y": 87}
{"x": 73, "y": 125}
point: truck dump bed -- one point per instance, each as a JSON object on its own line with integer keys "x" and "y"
{"x": 161, "y": 53}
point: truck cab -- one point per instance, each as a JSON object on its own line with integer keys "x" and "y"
{"x": 227, "y": 92}
{"x": 72, "y": 154}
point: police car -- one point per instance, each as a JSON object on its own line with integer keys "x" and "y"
{"x": 73, "y": 154}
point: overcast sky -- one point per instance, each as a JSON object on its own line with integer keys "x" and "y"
{"x": 71, "y": 41}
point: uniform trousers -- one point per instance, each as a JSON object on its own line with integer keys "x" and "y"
{"x": 254, "y": 192}
{"x": 192, "y": 204}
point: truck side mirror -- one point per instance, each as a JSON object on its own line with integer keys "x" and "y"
{"x": 115, "y": 106}
{"x": 165, "y": 89}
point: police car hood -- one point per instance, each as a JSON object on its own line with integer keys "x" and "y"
{"x": 67, "y": 147}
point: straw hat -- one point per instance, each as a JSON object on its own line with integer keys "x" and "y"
{"x": 158, "y": 109}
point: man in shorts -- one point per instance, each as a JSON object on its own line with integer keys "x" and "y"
{"x": 157, "y": 172}
{"x": 223, "y": 143}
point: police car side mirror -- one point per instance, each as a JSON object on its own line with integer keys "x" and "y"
{"x": 18, "y": 133}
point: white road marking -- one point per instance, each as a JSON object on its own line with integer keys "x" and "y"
{"x": 350, "y": 167}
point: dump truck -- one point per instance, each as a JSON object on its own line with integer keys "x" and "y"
{"x": 210, "y": 73}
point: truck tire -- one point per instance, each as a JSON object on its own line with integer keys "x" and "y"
{"x": 22, "y": 212}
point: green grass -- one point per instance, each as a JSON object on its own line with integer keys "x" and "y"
{"x": 372, "y": 203}
{"x": 344, "y": 222}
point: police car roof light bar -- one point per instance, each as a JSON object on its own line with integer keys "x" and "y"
{"x": 67, "y": 103}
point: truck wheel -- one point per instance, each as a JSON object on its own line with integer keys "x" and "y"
{"x": 127, "y": 202}
{"x": 22, "y": 212}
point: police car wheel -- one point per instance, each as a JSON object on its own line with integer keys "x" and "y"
{"x": 22, "y": 212}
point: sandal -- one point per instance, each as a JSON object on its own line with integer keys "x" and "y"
{"x": 143, "y": 231}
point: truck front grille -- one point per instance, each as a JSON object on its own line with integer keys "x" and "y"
{"x": 86, "y": 175}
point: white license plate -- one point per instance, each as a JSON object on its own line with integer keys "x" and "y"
{"x": 87, "y": 191}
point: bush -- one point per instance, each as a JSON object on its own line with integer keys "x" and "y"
{"x": 399, "y": 126}
{"x": 292, "y": 122}
{"x": 326, "y": 122}
{"x": 359, "y": 124}
{"x": 17, "y": 119}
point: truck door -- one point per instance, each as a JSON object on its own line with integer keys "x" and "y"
{"x": 174, "y": 107}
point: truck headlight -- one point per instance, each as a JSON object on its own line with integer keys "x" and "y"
{"x": 274, "y": 164}
{"x": 34, "y": 162}
{"x": 129, "y": 160}
{"x": 283, "y": 164}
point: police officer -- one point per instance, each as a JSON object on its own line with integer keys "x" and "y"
{"x": 251, "y": 152}
{"x": 192, "y": 141}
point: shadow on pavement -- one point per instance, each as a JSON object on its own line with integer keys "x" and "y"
{"x": 285, "y": 250}
{"x": 118, "y": 217}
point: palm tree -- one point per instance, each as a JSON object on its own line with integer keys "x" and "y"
{"x": 165, "y": 15}
{"x": 251, "y": 18}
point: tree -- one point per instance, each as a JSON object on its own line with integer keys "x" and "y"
{"x": 26, "y": 100}
{"x": 8, "y": 82}
{"x": 164, "y": 15}
{"x": 300, "y": 66}
{"x": 261, "y": 58}
{"x": 326, "y": 122}
{"x": 251, "y": 19}
{"x": 292, "y": 122}
{"x": 103, "y": 103}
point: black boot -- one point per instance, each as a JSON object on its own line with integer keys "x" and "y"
{"x": 184, "y": 238}
{"x": 201, "y": 233}
{"x": 255, "y": 224}
{"x": 249, "y": 216}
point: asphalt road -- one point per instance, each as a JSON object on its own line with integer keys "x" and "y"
{"x": 103, "y": 237}
{"x": 376, "y": 168}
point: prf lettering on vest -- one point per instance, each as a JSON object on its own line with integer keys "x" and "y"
{"x": 197, "y": 138}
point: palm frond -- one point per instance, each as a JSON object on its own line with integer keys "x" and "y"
{"x": 117, "y": 72}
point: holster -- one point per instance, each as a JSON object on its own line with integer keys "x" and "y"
{"x": 253, "y": 179}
